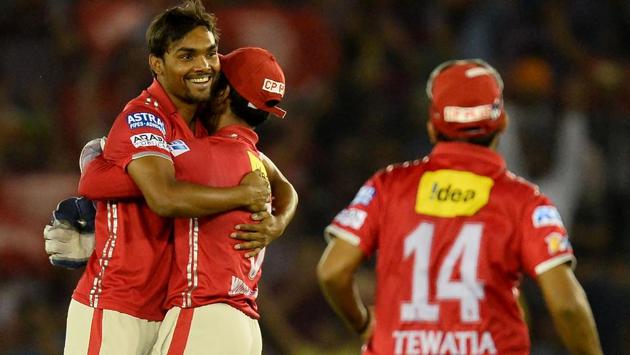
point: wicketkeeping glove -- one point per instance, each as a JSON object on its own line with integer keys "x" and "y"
{"x": 69, "y": 239}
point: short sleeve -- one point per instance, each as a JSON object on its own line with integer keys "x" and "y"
{"x": 137, "y": 132}
{"x": 103, "y": 180}
{"x": 358, "y": 224}
{"x": 545, "y": 243}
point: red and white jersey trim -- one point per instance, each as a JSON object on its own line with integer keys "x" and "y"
{"x": 334, "y": 231}
{"x": 148, "y": 153}
{"x": 191, "y": 267}
{"x": 106, "y": 255}
{"x": 551, "y": 263}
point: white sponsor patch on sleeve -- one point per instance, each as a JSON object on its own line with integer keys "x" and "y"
{"x": 351, "y": 217}
{"x": 149, "y": 140}
{"x": 364, "y": 196}
{"x": 544, "y": 216}
{"x": 557, "y": 243}
{"x": 145, "y": 119}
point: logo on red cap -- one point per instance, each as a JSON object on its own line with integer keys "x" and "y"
{"x": 256, "y": 75}
{"x": 466, "y": 99}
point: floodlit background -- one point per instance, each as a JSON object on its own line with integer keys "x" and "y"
{"x": 355, "y": 96}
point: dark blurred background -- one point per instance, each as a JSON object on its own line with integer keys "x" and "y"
{"x": 355, "y": 96}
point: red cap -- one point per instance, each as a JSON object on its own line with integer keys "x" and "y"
{"x": 466, "y": 99}
{"x": 256, "y": 76}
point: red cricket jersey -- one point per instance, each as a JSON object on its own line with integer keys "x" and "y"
{"x": 131, "y": 265}
{"x": 207, "y": 268}
{"x": 454, "y": 233}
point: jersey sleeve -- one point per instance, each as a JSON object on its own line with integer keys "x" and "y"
{"x": 545, "y": 242}
{"x": 104, "y": 180}
{"x": 358, "y": 224}
{"x": 137, "y": 132}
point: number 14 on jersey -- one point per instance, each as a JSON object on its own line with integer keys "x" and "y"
{"x": 468, "y": 291}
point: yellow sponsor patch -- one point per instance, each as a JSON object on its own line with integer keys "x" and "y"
{"x": 256, "y": 163}
{"x": 452, "y": 193}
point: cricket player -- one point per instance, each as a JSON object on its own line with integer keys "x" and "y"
{"x": 455, "y": 232}
{"x": 118, "y": 303}
{"x": 213, "y": 285}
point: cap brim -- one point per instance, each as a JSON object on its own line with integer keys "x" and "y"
{"x": 277, "y": 111}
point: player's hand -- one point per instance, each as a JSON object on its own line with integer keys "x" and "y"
{"x": 257, "y": 236}
{"x": 69, "y": 239}
{"x": 258, "y": 191}
{"x": 91, "y": 150}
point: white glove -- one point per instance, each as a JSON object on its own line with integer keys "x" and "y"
{"x": 67, "y": 247}
{"x": 91, "y": 150}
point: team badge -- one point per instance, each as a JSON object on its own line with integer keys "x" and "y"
{"x": 557, "y": 243}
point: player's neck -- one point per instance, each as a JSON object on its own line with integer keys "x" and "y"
{"x": 228, "y": 118}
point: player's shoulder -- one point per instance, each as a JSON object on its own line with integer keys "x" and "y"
{"x": 144, "y": 111}
{"x": 396, "y": 173}
{"x": 519, "y": 184}
{"x": 400, "y": 169}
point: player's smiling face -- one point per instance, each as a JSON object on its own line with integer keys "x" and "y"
{"x": 189, "y": 67}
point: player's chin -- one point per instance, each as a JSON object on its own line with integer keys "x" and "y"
{"x": 198, "y": 96}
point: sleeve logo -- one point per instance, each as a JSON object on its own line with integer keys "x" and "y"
{"x": 351, "y": 217}
{"x": 145, "y": 119}
{"x": 364, "y": 196}
{"x": 178, "y": 147}
{"x": 557, "y": 243}
{"x": 544, "y": 216}
{"x": 149, "y": 140}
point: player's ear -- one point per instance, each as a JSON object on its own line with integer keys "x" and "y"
{"x": 223, "y": 94}
{"x": 156, "y": 64}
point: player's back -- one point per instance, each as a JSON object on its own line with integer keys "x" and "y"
{"x": 452, "y": 239}
{"x": 208, "y": 269}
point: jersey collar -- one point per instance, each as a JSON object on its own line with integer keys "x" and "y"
{"x": 467, "y": 154}
{"x": 238, "y": 131}
{"x": 157, "y": 91}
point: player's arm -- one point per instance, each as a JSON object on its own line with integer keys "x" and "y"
{"x": 168, "y": 197}
{"x": 335, "y": 272}
{"x": 270, "y": 226}
{"x": 570, "y": 310}
{"x": 104, "y": 180}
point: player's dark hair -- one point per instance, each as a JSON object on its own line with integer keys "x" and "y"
{"x": 238, "y": 104}
{"x": 485, "y": 141}
{"x": 174, "y": 23}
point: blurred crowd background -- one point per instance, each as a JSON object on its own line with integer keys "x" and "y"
{"x": 355, "y": 95}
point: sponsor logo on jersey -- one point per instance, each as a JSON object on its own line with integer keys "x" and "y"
{"x": 544, "y": 216}
{"x": 256, "y": 163}
{"x": 145, "y": 119}
{"x": 273, "y": 86}
{"x": 351, "y": 217}
{"x": 440, "y": 342}
{"x": 178, "y": 147}
{"x": 149, "y": 140}
{"x": 239, "y": 287}
{"x": 452, "y": 193}
{"x": 557, "y": 243}
{"x": 364, "y": 196}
